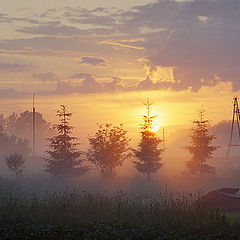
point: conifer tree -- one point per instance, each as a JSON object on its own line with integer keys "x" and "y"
{"x": 200, "y": 148}
{"x": 148, "y": 152}
{"x": 64, "y": 157}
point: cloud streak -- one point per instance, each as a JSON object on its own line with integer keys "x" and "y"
{"x": 46, "y": 77}
{"x": 94, "y": 61}
{"x": 14, "y": 67}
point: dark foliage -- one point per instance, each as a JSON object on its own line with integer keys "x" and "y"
{"x": 15, "y": 163}
{"x": 21, "y": 125}
{"x": 148, "y": 152}
{"x": 88, "y": 216}
{"x": 9, "y": 144}
{"x": 108, "y": 231}
{"x": 65, "y": 159}
{"x": 201, "y": 148}
{"x": 108, "y": 148}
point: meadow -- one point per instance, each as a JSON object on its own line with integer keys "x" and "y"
{"x": 73, "y": 214}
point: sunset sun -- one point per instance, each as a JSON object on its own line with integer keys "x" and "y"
{"x": 156, "y": 126}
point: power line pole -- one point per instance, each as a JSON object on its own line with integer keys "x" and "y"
{"x": 235, "y": 118}
{"x": 34, "y": 126}
{"x": 164, "y": 141}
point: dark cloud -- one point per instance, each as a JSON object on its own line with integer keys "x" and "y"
{"x": 72, "y": 46}
{"x": 4, "y": 18}
{"x": 94, "y": 20}
{"x": 14, "y": 67}
{"x": 48, "y": 13}
{"x": 81, "y": 75}
{"x": 88, "y": 85}
{"x": 53, "y": 30}
{"x": 199, "y": 39}
{"x": 115, "y": 85}
{"x": 94, "y": 61}
{"x": 46, "y": 77}
{"x": 97, "y": 17}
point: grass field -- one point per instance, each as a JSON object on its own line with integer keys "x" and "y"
{"x": 83, "y": 215}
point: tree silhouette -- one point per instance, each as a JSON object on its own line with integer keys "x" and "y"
{"x": 21, "y": 125}
{"x": 200, "y": 148}
{"x": 65, "y": 159}
{"x": 108, "y": 148}
{"x": 15, "y": 163}
{"x": 148, "y": 152}
{"x": 9, "y": 144}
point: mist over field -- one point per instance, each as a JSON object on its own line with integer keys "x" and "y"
{"x": 119, "y": 119}
{"x": 171, "y": 177}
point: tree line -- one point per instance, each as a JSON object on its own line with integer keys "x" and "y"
{"x": 109, "y": 147}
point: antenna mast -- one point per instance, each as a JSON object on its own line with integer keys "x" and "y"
{"x": 34, "y": 125}
{"x": 236, "y": 117}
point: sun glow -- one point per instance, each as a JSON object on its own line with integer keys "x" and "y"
{"x": 156, "y": 126}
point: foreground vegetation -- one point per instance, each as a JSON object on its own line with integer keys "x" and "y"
{"x": 74, "y": 215}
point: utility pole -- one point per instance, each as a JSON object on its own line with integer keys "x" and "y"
{"x": 235, "y": 118}
{"x": 163, "y": 137}
{"x": 34, "y": 126}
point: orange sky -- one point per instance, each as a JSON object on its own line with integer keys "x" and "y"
{"x": 103, "y": 59}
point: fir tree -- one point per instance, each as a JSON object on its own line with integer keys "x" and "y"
{"x": 148, "y": 152}
{"x": 65, "y": 159}
{"x": 201, "y": 148}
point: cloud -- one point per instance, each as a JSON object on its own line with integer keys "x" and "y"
{"x": 102, "y": 31}
{"x": 96, "y": 17}
{"x": 12, "y": 93}
{"x": 46, "y": 77}
{"x": 200, "y": 41}
{"x": 71, "y": 46}
{"x": 58, "y": 29}
{"x": 88, "y": 85}
{"x": 81, "y": 75}
{"x": 115, "y": 85}
{"x": 4, "y": 18}
{"x": 138, "y": 45}
{"x": 94, "y": 61}
{"x": 53, "y": 30}
{"x": 14, "y": 67}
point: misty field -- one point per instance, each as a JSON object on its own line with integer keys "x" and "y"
{"x": 69, "y": 214}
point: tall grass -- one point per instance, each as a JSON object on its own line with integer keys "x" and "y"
{"x": 76, "y": 208}
{"x": 119, "y": 215}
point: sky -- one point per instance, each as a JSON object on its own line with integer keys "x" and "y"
{"x": 104, "y": 58}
